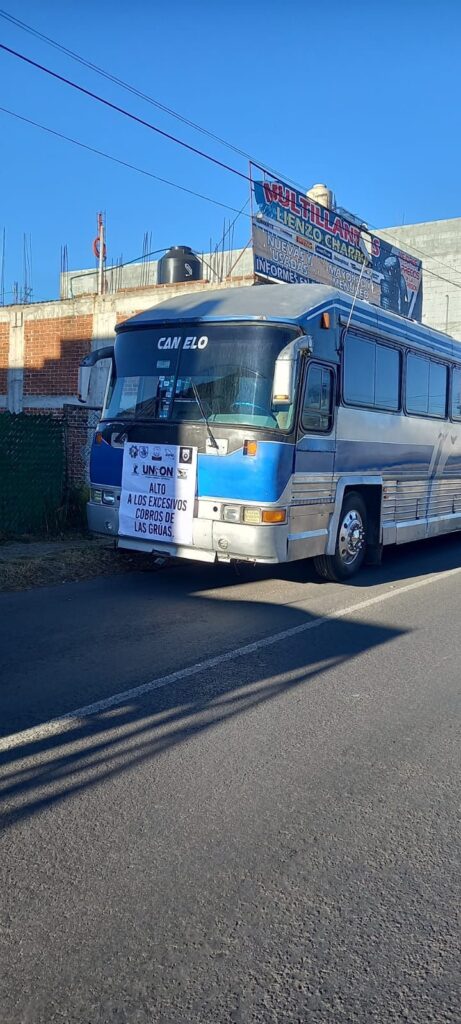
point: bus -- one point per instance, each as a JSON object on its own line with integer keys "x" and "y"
{"x": 270, "y": 423}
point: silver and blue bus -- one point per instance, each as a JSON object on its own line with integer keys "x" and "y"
{"x": 315, "y": 427}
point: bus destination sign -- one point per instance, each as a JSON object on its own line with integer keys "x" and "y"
{"x": 296, "y": 240}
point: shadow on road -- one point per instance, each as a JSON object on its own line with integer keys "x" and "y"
{"x": 36, "y": 775}
{"x": 403, "y": 562}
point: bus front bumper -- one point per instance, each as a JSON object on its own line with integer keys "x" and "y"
{"x": 212, "y": 539}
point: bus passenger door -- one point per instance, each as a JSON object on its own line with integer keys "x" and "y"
{"x": 312, "y": 491}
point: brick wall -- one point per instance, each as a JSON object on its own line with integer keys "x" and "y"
{"x": 121, "y": 317}
{"x": 55, "y": 414}
{"x": 79, "y": 425}
{"x": 4, "y": 348}
{"x": 53, "y": 350}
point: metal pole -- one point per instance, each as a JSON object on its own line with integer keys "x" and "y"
{"x": 2, "y": 280}
{"x": 101, "y": 255}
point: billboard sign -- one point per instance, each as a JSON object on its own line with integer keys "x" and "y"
{"x": 296, "y": 240}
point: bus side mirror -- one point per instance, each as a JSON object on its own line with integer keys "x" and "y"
{"x": 86, "y": 366}
{"x": 283, "y": 390}
{"x": 84, "y": 377}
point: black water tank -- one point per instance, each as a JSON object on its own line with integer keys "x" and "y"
{"x": 179, "y": 264}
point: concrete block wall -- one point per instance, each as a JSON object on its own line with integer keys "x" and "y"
{"x": 440, "y": 242}
{"x": 4, "y": 356}
{"x": 217, "y": 268}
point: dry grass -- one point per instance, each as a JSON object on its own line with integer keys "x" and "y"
{"x": 69, "y": 565}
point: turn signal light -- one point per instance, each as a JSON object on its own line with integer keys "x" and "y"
{"x": 98, "y": 437}
{"x": 274, "y": 515}
{"x": 325, "y": 320}
{"x": 250, "y": 447}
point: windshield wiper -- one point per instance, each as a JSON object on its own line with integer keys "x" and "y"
{"x": 205, "y": 417}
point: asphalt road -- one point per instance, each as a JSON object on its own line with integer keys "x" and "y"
{"x": 272, "y": 836}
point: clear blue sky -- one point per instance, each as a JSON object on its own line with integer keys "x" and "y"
{"x": 362, "y": 95}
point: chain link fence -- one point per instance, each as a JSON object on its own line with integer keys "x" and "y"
{"x": 32, "y": 474}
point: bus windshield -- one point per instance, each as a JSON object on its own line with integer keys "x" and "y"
{"x": 174, "y": 374}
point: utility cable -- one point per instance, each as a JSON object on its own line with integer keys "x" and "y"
{"x": 123, "y": 163}
{"x": 136, "y": 92}
{"x": 182, "y": 188}
{"x": 168, "y": 110}
{"x": 122, "y": 110}
{"x": 173, "y": 138}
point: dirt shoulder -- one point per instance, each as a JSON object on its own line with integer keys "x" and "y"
{"x": 45, "y": 563}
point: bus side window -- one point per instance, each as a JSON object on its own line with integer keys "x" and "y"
{"x": 456, "y": 394}
{"x": 317, "y": 411}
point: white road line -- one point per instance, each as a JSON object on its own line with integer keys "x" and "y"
{"x": 68, "y": 721}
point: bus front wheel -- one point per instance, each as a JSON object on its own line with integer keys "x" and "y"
{"x": 351, "y": 542}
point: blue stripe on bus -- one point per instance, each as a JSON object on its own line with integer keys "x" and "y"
{"x": 106, "y": 464}
{"x": 366, "y": 457}
{"x": 314, "y": 461}
{"x": 377, "y": 457}
{"x": 316, "y": 444}
{"x": 261, "y": 477}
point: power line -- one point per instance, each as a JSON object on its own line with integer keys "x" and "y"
{"x": 172, "y": 138}
{"x": 126, "y": 113}
{"x": 173, "y": 113}
{"x": 123, "y": 163}
{"x": 134, "y": 91}
{"x": 182, "y": 188}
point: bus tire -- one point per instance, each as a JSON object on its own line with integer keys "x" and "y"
{"x": 351, "y": 542}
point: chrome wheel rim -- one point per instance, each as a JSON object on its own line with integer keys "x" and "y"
{"x": 351, "y": 540}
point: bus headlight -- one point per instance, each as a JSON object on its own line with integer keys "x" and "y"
{"x": 252, "y": 516}
{"x": 96, "y": 495}
{"x": 231, "y": 513}
{"x": 108, "y": 498}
